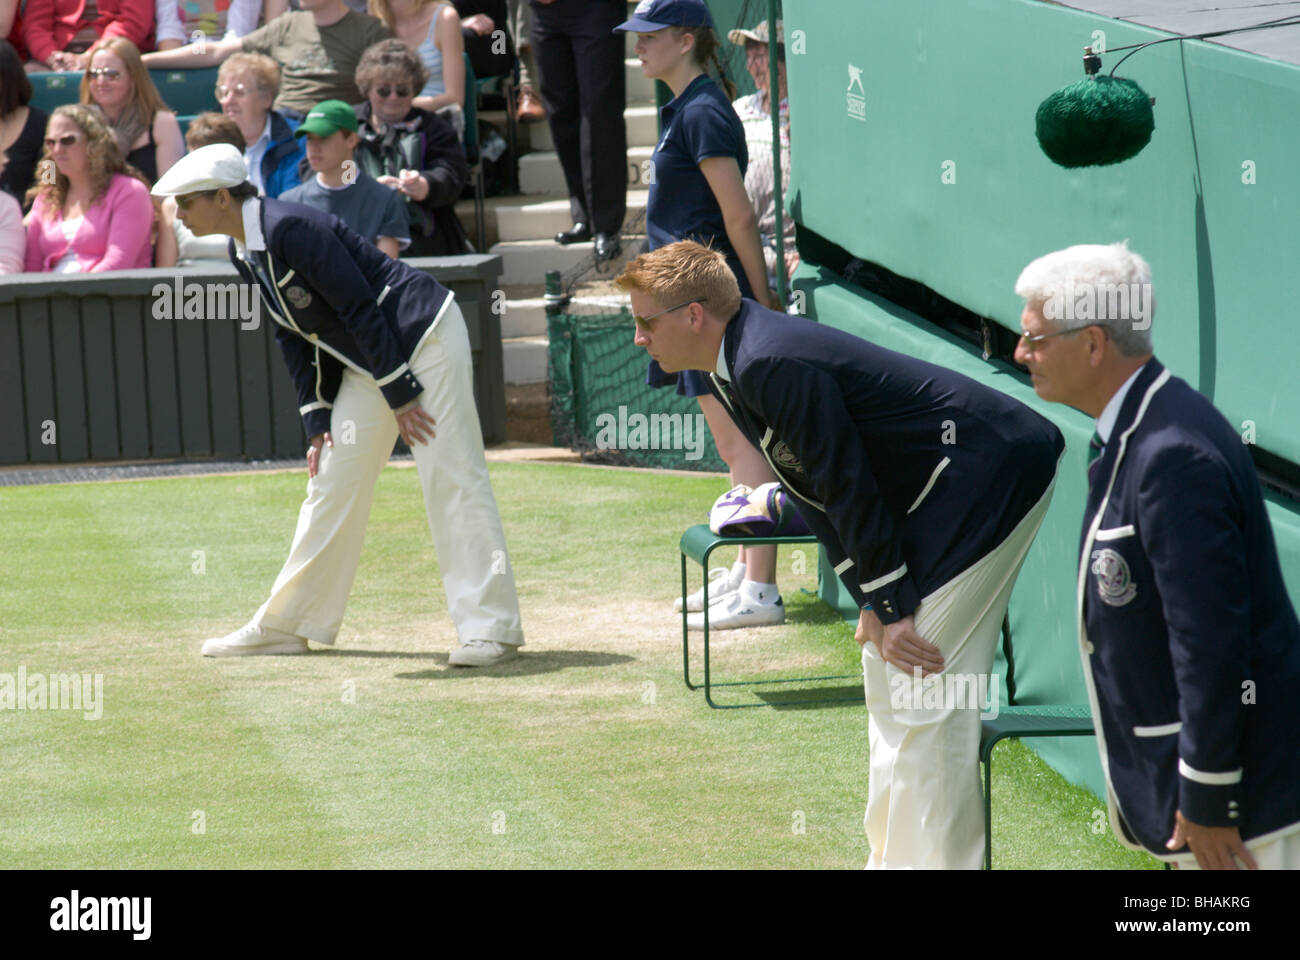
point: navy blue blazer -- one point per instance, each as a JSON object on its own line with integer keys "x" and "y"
{"x": 907, "y": 472}
{"x": 337, "y": 301}
{"x": 1190, "y": 644}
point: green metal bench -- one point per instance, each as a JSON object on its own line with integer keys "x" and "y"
{"x": 698, "y": 543}
{"x": 1037, "y": 720}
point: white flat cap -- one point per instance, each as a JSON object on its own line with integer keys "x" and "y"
{"x": 207, "y": 168}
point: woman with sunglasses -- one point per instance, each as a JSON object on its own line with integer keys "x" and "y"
{"x": 411, "y": 150}
{"x": 91, "y": 212}
{"x": 698, "y": 193}
{"x": 148, "y": 134}
{"x": 431, "y": 28}
{"x": 247, "y": 84}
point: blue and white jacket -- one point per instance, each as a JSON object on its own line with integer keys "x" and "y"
{"x": 910, "y": 473}
{"x": 1190, "y": 644}
{"x": 337, "y": 301}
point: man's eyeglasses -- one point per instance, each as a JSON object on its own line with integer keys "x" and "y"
{"x": 183, "y": 203}
{"x": 1033, "y": 341}
{"x": 644, "y": 322}
{"x": 67, "y": 140}
{"x": 386, "y": 91}
{"x": 238, "y": 90}
{"x": 104, "y": 73}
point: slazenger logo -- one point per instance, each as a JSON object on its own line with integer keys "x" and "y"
{"x": 857, "y": 101}
{"x": 643, "y": 7}
{"x": 74, "y": 913}
{"x": 1115, "y": 583}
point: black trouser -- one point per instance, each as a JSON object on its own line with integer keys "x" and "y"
{"x": 582, "y": 84}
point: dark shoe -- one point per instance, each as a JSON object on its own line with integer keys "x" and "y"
{"x": 530, "y": 107}
{"x": 607, "y": 246}
{"x": 578, "y": 233}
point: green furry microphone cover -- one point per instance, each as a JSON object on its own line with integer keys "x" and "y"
{"x": 1097, "y": 121}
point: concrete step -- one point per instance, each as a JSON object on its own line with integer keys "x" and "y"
{"x": 540, "y": 171}
{"x": 528, "y": 261}
{"x": 538, "y": 218}
{"x": 524, "y": 359}
{"x": 642, "y": 128}
{"x": 524, "y": 318}
{"x": 640, "y": 88}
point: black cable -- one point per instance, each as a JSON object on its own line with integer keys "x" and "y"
{"x": 1267, "y": 24}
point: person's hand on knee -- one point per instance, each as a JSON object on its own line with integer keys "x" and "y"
{"x": 900, "y": 645}
{"x": 313, "y": 452}
{"x": 870, "y": 629}
{"x": 414, "y": 424}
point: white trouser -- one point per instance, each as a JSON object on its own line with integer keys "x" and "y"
{"x": 925, "y": 809}
{"x": 311, "y": 592}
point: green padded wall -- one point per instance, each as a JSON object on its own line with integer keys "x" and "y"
{"x": 953, "y": 85}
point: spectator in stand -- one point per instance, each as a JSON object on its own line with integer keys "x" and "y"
{"x": 487, "y": 41}
{"x": 21, "y": 125}
{"x": 11, "y": 26}
{"x": 13, "y": 238}
{"x": 59, "y": 32}
{"x": 410, "y": 150}
{"x": 318, "y": 47}
{"x": 177, "y": 246}
{"x": 148, "y": 134}
{"x": 339, "y": 187}
{"x": 529, "y": 108}
{"x": 432, "y": 29}
{"x": 202, "y": 21}
{"x": 583, "y": 86}
{"x": 95, "y": 213}
{"x": 247, "y": 84}
{"x": 755, "y": 114}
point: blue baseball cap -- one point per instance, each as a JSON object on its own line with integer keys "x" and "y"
{"x": 652, "y": 15}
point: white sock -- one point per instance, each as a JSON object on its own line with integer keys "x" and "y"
{"x": 737, "y": 574}
{"x": 755, "y": 592}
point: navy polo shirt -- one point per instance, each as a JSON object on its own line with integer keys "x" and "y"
{"x": 698, "y": 124}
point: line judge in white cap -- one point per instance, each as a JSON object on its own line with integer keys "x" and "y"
{"x": 376, "y": 349}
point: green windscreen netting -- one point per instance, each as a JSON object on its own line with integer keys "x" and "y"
{"x": 600, "y": 404}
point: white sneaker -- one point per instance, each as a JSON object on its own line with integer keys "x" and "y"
{"x": 720, "y": 585}
{"x": 251, "y": 640}
{"x": 482, "y": 653}
{"x": 738, "y": 611}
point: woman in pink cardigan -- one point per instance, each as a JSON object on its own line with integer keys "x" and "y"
{"x": 94, "y": 212}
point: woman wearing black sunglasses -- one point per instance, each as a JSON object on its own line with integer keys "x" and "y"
{"x": 115, "y": 80}
{"x": 411, "y": 150}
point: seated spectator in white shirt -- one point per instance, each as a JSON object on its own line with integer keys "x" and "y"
{"x": 177, "y": 246}
{"x": 340, "y": 186}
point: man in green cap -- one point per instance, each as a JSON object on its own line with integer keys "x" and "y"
{"x": 341, "y": 187}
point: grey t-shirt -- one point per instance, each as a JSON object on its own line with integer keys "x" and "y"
{"x": 367, "y": 206}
